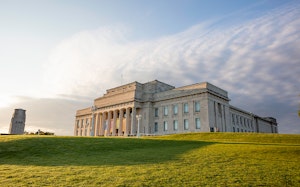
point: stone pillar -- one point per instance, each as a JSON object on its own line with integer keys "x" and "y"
{"x": 133, "y": 121}
{"x": 75, "y": 128}
{"x": 84, "y": 127}
{"x": 120, "y": 131}
{"x": 115, "y": 113}
{"x": 102, "y": 127}
{"x": 90, "y": 126}
{"x": 108, "y": 123}
{"x": 127, "y": 125}
{"x": 216, "y": 126}
{"x": 97, "y": 124}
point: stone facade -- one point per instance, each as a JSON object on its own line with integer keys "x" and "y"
{"x": 164, "y": 109}
{"x": 17, "y": 124}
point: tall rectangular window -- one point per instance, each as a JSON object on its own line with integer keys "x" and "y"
{"x": 185, "y": 107}
{"x": 197, "y": 122}
{"x": 175, "y": 109}
{"x": 155, "y": 127}
{"x": 220, "y": 109}
{"x": 165, "y": 111}
{"x": 233, "y": 129}
{"x": 186, "y": 124}
{"x": 165, "y": 126}
{"x": 197, "y": 106}
{"x": 156, "y": 112}
{"x": 175, "y": 125}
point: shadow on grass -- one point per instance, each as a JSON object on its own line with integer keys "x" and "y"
{"x": 76, "y": 151}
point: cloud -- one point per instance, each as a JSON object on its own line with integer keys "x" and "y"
{"x": 47, "y": 114}
{"x": 256, "y": 61}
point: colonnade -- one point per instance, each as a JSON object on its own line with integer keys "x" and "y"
{"x": 118, "y": 122}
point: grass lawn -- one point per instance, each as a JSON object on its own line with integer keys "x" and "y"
{"x": 197, "y": 159}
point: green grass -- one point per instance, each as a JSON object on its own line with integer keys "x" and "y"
{"x": 198, "y": 159}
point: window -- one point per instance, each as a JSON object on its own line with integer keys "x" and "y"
{"x": 233, "y": 119}
{"x": 155, "y": 127}
{"x": 233, "y": 129}
{"x": 212, "y": 129}
{"x": 197, "y": 122}
{"x": 197, "y": 106}
{"x": 186, "y": 124}
{"x": 237, "y": 129}
{"x": 175, "y": 125}
{"x": 156, "y": 112}
{"x": 185, "y": 107}
{"x": 220, "y": 109}
{"x": 175, "y": 109}
{"x": 165, "y": 111}
{"x": 165, "y": 126}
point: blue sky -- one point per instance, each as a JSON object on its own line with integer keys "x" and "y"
{"x": 57, "y": 56}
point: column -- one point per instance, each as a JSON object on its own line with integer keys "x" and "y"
{"x": 216, "y": 126}
{"x": 84, "y": 127}
{"x": 102, "y": 127}
{"x": 115, "y": 112}
{"x": 96, "y": 121}
{"x": 80, "y": 127}
{"x": 120, "y": 131}
{"x": 133, "y": 121}
{"x": 127, "y": 125}
{"x": 108, "y": 123}
{"x": 90, "y": 125}
{"x": 75, "y": 128}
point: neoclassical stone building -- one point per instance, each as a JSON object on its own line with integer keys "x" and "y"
{"x": 157, "y": 108}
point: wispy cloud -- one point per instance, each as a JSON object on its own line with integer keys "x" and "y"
{"x": 255, "y": 60}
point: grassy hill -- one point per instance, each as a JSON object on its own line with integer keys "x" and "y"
{"x": 197, "y": 159}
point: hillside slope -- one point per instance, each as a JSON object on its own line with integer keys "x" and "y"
{"x": 196, "y": 159}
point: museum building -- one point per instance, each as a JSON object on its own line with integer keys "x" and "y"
{"x": 157, "y": 108}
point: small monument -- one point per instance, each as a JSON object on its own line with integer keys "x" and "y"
{"x": 17, "y": 124}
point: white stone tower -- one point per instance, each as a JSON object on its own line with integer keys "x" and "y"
{"x": 17, "y": 124}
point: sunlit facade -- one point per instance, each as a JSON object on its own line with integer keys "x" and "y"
{"x": 164, "y": 109}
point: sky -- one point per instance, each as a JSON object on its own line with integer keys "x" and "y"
{"x": 57, "y": 56}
